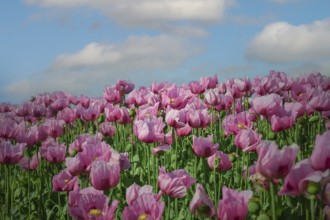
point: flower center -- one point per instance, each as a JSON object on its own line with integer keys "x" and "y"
{"x": 66, "y": 181}
{"x": 172, "y": 100}
{"x": 95, "y": 212}
{"x": 240, "y": 126}
{"x": 143, "y": 216}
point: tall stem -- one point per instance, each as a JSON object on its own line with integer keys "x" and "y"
{"x": 272, "y": 195}
{"x": 312, "y": 206}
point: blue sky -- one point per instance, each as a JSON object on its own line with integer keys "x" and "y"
{"x": 79, "y": 46}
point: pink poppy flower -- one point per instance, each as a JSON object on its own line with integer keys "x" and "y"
{"x": 266, "y": 105}
{"x": 53, "y": 127}
{"x": 212, "y": 97}
{"x": 52, "y": 151}
{"x": 111, "y": 94}
{"x": 204, "y": 147}
{"x": 238, "y": 87}
{"x": 124, "y": 86}
{"x": 135, "y": 191}
{"x": 274, "y": 163}
{"x": 8, "y": 129}
{"x": 321, "y": 101}
{"x": 291, "y": 182}
{"x": 320, "y": 158}
{"x": 28, "y": 136}
{"x": 276, "y": 82}
{"x": 219, "y": 161}
{"x": 90, "y": 152}
{"x": 104, "y": 175}
{"x": 145, "y": 206}
{"x": 117, "y": 114}
{"x": 23, "y": 110}
{"x": 176, "y": 97}
{"x": 233, "y": 123}
{"x": 107, "y": 129}
{"x": 209, "y": 82}
{"x": 198, "y": 118}
{"x": 10, "y": 154}
{"x": 196, "y": 87}
{"x": 67, "y": 115}
{"x": 145, "y": 111}
{"x": 175, "y": 118}
{"x": 296, "y": 107}
{"x": 201, "y": 205}
{"x": 81, "y": 139}
{"x": 159, "y": 150}
{"x": 60, "y": 103}
{"x": 176, "y": 183}
{"x": 226, "y": 102}
{"x": 30, "y": 164}
{"x": 91, "y": 113}
{"x": 282, "y": 120}
{"x": 234, "y": 204}
{"x": 184, "y": 131}
{"x": 247, "y": 140}
{"x": 138, "y": 97}
{"x": 84, "y": 101}
{"x": 64, "y": 181}
{"x": 91, "y": 204}
{"x": 149, "y": 131}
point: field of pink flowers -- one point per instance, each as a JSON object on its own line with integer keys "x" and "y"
{"x": 239, "y": 149}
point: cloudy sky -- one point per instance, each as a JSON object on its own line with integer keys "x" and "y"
{"x": 79, "y": 46}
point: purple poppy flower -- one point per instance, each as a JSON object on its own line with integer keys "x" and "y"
{"x": 52, "y": 151}
{"x": 135, "y": 191}
{"x": 10, "y": 154}
{"x": 67, "y": 115}
{"x": 176, "y": 183}
{"x": 320, "y": 158}
{"x": 201, "y": 205}
{"x": 175, "y": 118}
{"x": 104, "y": 175}
{"x": 111, "y": 94}
{"x": 149, "y": 130}
{"x": 266, "y": 105}
{"x": 233, "y": 123}
{"x": 196, "y": 87}
{"x": 159, "y": 150}
{"x": 204, "y": 147}
{"x": 247, "y": 139}
{"x": 212, "y": 97}
{"x": 107, "y": 129}
{"x": 30, "y": 164}
{"x": 124, "y": 86}
{"x": 90, "y": 203}
{"x": 219, "y": 161}
{"x": 64, "y": 181}
{"x": 145, "y": 206}
{"x": 8, "y": 129}
{"x": 321, "y": 101}
{"x": 234, "y": 204}
{"x": 274, "y": 163}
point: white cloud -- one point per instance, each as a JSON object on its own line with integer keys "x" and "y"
{"x": 139, "y": 58}
{"x": 147, "y": 12}
{"x": 281, "y": 42}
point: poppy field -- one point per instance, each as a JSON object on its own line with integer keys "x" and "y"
{"x": 243, "y": 148}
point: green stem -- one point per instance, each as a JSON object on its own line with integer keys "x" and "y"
{"x": 215, "y": 186}
{"x": 29, "y": 180}
{"x": 272, "y": 195}
{"x": 7, "y": 188}
{"x": 312, "y": 205}
{"x": 168, "y": 206}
